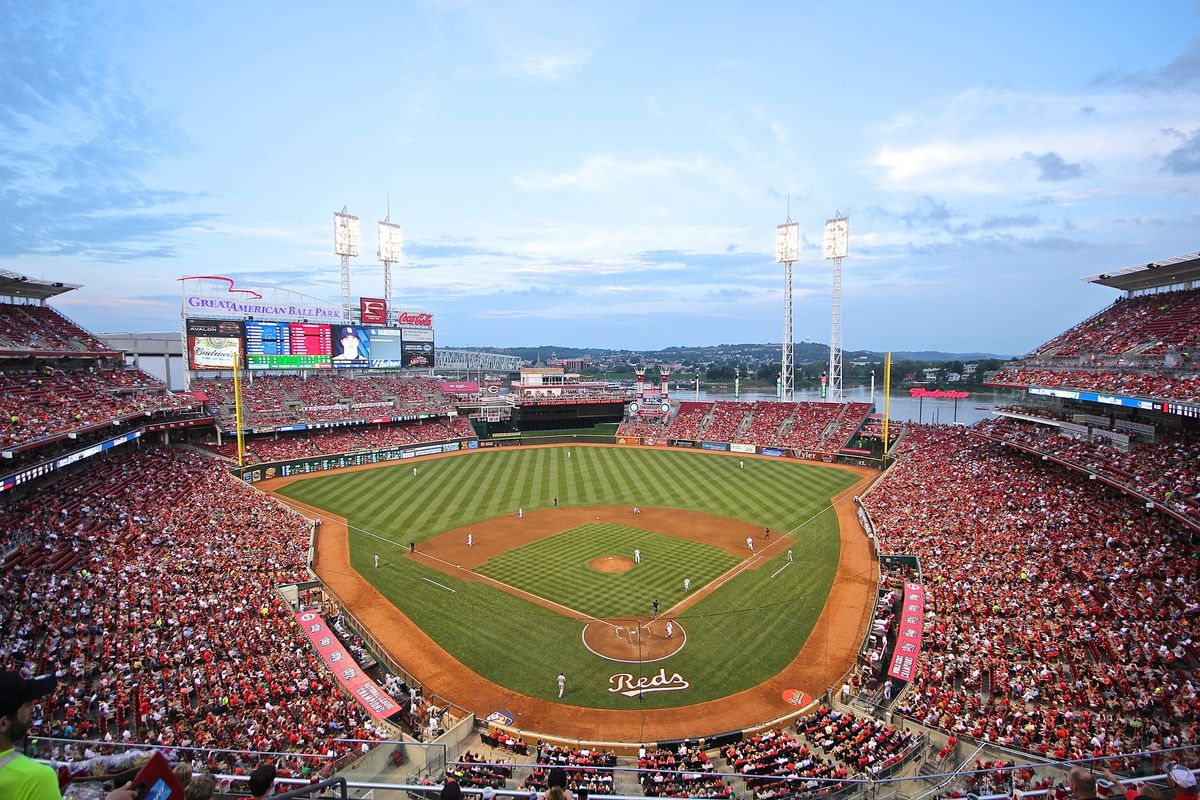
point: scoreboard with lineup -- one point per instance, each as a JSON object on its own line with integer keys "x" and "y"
{"x": 288, "y": 345}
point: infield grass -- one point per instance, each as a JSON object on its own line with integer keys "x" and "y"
{"x": 559, "y": 568}
{"x": 739, "y": 636}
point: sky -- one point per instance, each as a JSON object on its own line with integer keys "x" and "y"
{"x": 607, "y": 174}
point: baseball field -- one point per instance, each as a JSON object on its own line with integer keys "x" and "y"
{"x": 524, "y": 563}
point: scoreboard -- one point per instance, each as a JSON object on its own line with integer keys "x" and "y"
{"x": 276, "y": 345}
{"x": 288, "y": 345}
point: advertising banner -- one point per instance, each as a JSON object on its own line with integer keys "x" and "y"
{"x": 351, "y": 346}
{"x": 375, "y": 700}
{"x": 713, "y": 446}
{"x": 772, "y": 451}
{"x": 417, "y": 354}
{"x": 373, "y": 310}
{"x": 212, "y": 343}
{"x": 459, "y": 387}
{"x": 628, "y": 440}
{"x": 409, "y": 319}
{"x": 908, "y": 634}
{"x": 741, "y": 448}
{"x": 418, "y": 334}
{"x": 200, "y": 304}
{"x": 682, "y": 443}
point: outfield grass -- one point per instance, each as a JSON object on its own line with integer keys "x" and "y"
{"x": 558, "y": 568}
{"x": 738, "y": 637}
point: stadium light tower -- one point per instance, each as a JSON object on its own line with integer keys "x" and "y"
{"x": 345, "y": 244}
{"x": 390, "y": 244}
{"x": 837, "y": 235}
{"x": 787, "y": 251}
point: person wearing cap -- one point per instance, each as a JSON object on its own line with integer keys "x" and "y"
{"x": 22, "y": 778}
{"x": 1182, "y": 781}
{"x": 489, "y": 793}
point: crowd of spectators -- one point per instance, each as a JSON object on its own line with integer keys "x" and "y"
{"x": 284, "y": 447}
{"x": 164, "y": 626}
{"x": 861, "y": 744}
{"x": 849, "y": 420}
{"x": 277, "y": 400}
{"x": 728, "y": 419}
{"x": 1151, "y": 385}
{"x": 643, "y": 426}
{"x": 1149, "y": 323}
{"x": 474, "y": 770}
{"x": 1060, "y": 615}
{"x": 48, "y": 402}
{"x": 775, "y": 764}
{"x": 683, "y": 771}
{"x": 41, "y": 329}
{"x": 803, "y": 426}
{"x": 1166, "y": 470}
{"x": 873, "y": 428}
{"x": 688, "y": 420}
{"x": 585, "y": 768}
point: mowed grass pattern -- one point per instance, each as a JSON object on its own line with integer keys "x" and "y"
{"x": 738, "y": 637}
{"x": 559, "y": 568}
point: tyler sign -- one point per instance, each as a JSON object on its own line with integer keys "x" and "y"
{"x": 624, "y": 683}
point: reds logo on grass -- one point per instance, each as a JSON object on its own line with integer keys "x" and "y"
{"x": 624, "y": 683}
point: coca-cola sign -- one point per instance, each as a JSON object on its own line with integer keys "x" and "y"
{"x": 421, "y": 320}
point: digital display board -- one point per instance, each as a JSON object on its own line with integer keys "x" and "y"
{"x": 287, "y": 345}
{"x": 213, "y": 343}
{"x": 387, "y": 348}
{"x": 417, "y": 355}
{"x": 351, "y": 346}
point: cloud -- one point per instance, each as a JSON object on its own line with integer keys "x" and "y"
{"x": 1053, "y": 168}
{"x": 970, "y": 144}
{"x": 604, "y": 172}
{"x": 1185, "y": 159}
{"x": 545, "y": 66}
{"x": 74, "y": 136}
{"x": 1182, "y": 74}
{"x": 991, "y": 223}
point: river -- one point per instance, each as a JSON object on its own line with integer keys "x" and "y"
{"x": 903, "y": 407}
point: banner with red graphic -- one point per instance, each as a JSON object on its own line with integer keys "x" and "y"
{"x": 908, "y": 634}
{"x": 373, "y": 309}
{"x": 376, "y": 701}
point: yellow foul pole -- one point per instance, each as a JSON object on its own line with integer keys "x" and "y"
{"x": 887, "y": 399}
{"x": 237, "y": 405}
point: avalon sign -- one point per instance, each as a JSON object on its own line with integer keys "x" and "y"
{"x": 624, "y": 683}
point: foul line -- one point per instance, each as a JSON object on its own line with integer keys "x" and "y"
{"x": 440, "y": 586}
{"x": 781, "y": 569}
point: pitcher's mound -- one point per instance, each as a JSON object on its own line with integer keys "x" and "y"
{"x": 611, "y": 564}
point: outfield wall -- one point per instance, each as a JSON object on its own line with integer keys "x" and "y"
{"x": 322, "y": 463}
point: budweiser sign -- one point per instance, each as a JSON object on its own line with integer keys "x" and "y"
{"x": 940, "y": 394}
{"x": 416, "y": 320}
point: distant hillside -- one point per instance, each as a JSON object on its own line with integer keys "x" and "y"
{"x": 803, "y": 352}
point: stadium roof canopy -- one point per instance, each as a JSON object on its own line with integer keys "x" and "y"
{"x": 1181, "y": 269}
{"x": 15, "y": 285}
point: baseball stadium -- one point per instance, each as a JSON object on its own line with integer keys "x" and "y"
{"x": 350, "y": 562}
